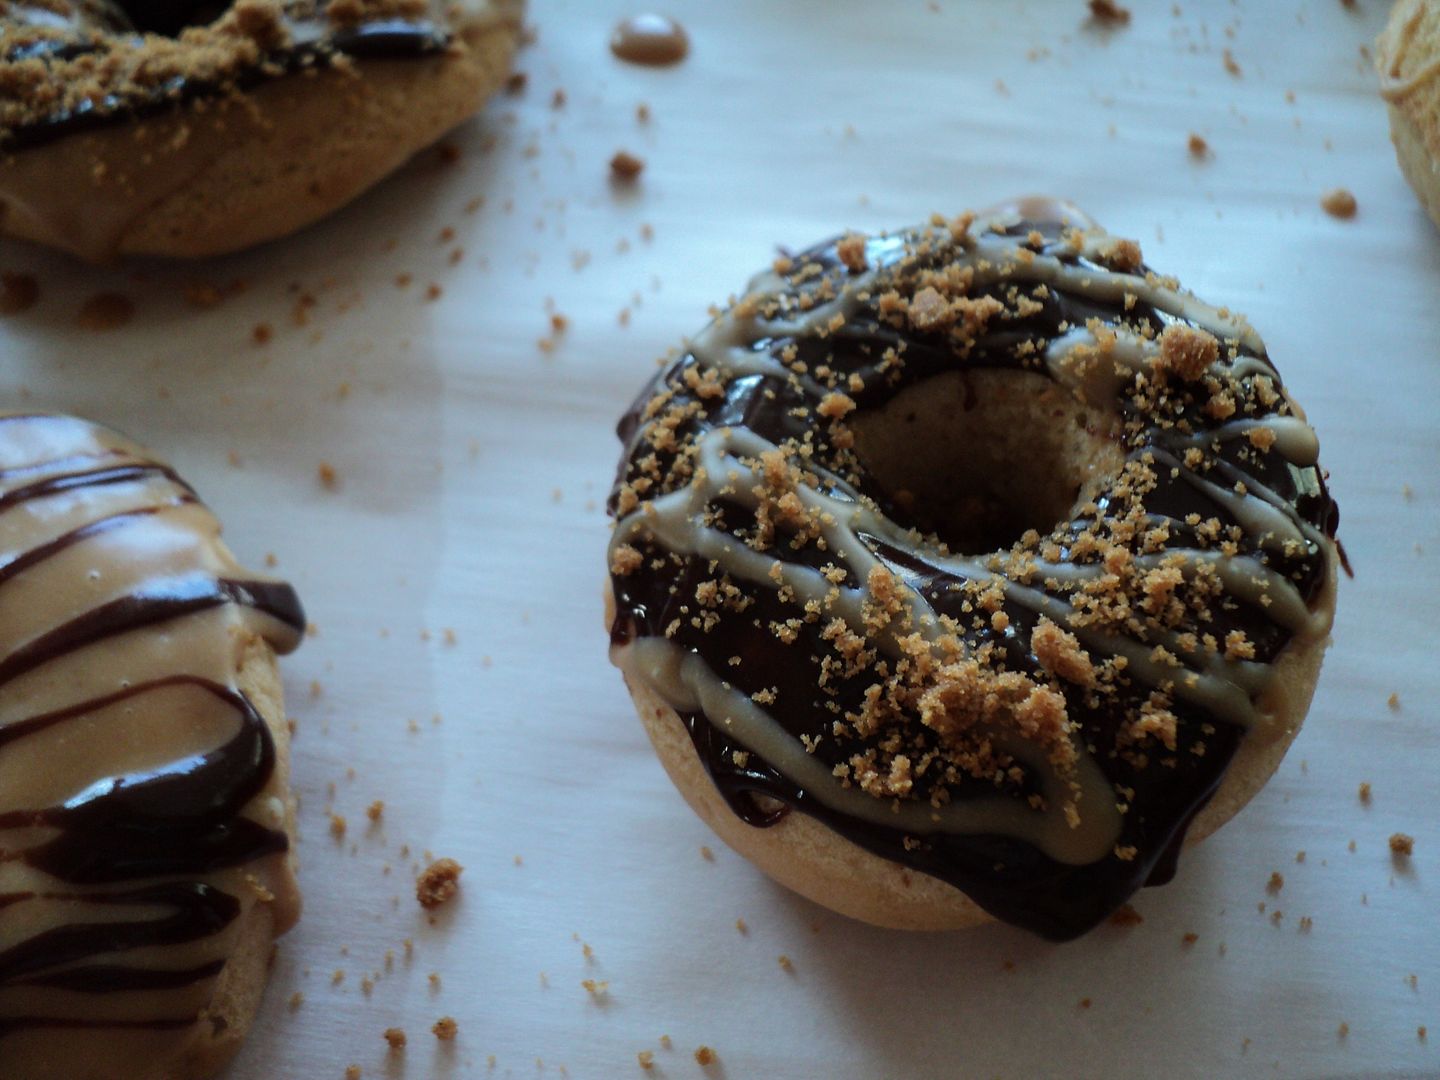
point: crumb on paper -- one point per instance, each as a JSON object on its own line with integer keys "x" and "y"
{"x": 1109, "y": 11}
{"x": 646, "y": 1058}
{"x": 1231, "y": 65}
{"x": 1189, "y": 938}
{"x": 338, "y": 825}
{"x": 296, "y": 1000}
{"x": 1276, "y": 882}
{"x": 1339, "y": 203}
{"x": 1364, "y": 792}
{"x": 786, "y": 964}
{"x": 1402, "y": 844}
{"x": 704, "y": 1055}
{"x": 353, "y": 1072}
{"x": 438, "y": 882}
{"x": 1343, "y": 1031}
{"x": 329, "y": 478}
{"x": 261, "y": 333}
{"x": 1393, "y": 701}
{"x": 1126, "y": 915}
{"x": 625, "y": 166}
{"x": 445, "y": 1028}
{"x": 395, "y": 1037}
{"x": 1197, "y": 145}
{"x": 376, "y": 810}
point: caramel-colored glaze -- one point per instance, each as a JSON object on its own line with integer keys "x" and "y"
{"x": 652, "y": 40}
{"x": 144, "y": 806}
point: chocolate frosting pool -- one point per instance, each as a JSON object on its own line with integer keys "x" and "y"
{"x": 1036, "y": 721}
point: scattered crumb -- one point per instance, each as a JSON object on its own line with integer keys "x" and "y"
{"x": 706, "y": 853}
{"x": 18, "y": 292}
{"x": 1085, "y": 1003}
{"x": 261, "y": 333}
{"x": 625, "y": 166}
{"x": 105, "y": 311}
{"x": 1109, "y": 11}
{"x": 1402, "y": 844}
{"x": 1126, "y": 916}
{"x": 786, "y": 964}
{"x": 1276, "y": 883}
{"x": 646, "y": 1058}
{"x": 433, "y": 291}
{"x": 376, "y": 810}
{"x": 329, "y": 478}
{"x": 1230, "y": 64}
{"x": 1343, "y": 1031}
{"x": 596, "y": 988}
{"x": 1338, "y": 202}
{"x": 515, "y": 84}
{"x": 438, "y": 882}
{"x": 704, "y": 1055}
{"x": 296, "y": 1000}
{"x": 352, "y": 1072}
{"x": 1421, "y": 1032}
{"x": 445, "y": 1028}
{"x": 1199, "y": 148}
{"x": 337, "y": 825}
{"x": 642, "y": 113}
{"x": 1190, "y": 938}
{"x": 1393, "y": 701}
{"x": 1365, "y": 792}
{"x": 396, "y": 1038}
{"x": 741, "y": 926}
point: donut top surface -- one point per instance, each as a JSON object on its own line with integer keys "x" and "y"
{"x": 72, "y": 65}
{"x": 141, "y": 812}
{"x": 1034, "y": 712}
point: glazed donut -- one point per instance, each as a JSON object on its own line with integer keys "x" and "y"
{"x": 145, "y": 811}
{"x": 1001, "y": 560}
{"x": 117, "y": 139}
{"x": 1407, "y": 54}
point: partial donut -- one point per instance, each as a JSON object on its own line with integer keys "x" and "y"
{"x": 193, "y": 128}
{"x": 145, "y": 809}
{"x": 1407, "y": 54}
{"x": 966, "y": 571}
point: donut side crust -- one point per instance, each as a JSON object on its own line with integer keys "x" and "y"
{"x": 1407, "y": 56}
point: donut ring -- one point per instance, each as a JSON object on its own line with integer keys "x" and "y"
{"x": 116, "y": 140}
{"x": 145, "y": 810}
{"x": 1407, "y": 55}
{"x": 1001, "y": 560}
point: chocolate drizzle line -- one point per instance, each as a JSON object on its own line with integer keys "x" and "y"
{"x": 140, "y": 841}
{"x": 312, "y": 42}
{"x": 1010, "y": 878}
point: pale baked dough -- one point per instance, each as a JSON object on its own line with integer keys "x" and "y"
{"x": 1407, "y": 54}
{"x": 231, "y": 173}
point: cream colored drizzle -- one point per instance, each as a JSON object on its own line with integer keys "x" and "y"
{"x": 157, "y": 727}
{"x": 1224, "y": 687}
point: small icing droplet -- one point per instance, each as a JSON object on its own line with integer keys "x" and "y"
{"x": 653, "y": 40}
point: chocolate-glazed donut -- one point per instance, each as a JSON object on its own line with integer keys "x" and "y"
{"x": 966, "y": 571}
{"x": 145, "y": 812}
{"x": 195, "y": 127}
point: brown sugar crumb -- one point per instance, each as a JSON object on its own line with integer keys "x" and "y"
{"x": 1364, "y": 792}
{"x": 1393, "y": 701}
{"x": 1189, "y": 939}
{"x": 1085, "y": 1003}
{"x": 625, "y": 166}
{"x": 1276, "y": 883}
{"x": 1230, "y": 64}
{"x": 1197, "y": 145}
{"x": 626, "y": 560}
{"x": 1339, "y": 203}
{"x": 396, "y": 1038}
{"x": 786, "y": 964}
{"x": 1187, "y": 352}
{"x": 1059, "y": 653}
{"x": 353, "y": 1072}
{"x": 704, "y": 1055}
{"x": 1343, "y": 1031}
{"x": 834, "y": 405}
{"x": 105, "y": 311}
{"x": 1126, "y": 916}
{"x": 1421, "y": 1032}
{"x": 1109, "y": 11}
{"x": 337, "y": 825}
{"x": 646, "y": 1058}
{"x": 706, "y": 853}
{"x": 438, "y": 882}
{"x": 376, "y": 810}
{"x": 851, "y": 251}
{"x": 1402, "y": 844}
{"x": 515, "y": 84}
{"x": 18, "y": 292}
{"x": 433, "y": 291}
{"x": 445, "y": 1028}
{"x": 296, "y": 1000}
{"x": 261, "y": 333}
{"x": 329, "y": 478}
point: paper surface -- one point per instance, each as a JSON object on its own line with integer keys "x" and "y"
{"x": 472, "y": 467}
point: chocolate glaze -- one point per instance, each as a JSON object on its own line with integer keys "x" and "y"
{"x": 1010, "y": 879}
{"x": 312, "y": 42}
{"x": 139, "y": 840}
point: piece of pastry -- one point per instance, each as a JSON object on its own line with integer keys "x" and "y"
{"x": 1407, "y": 54}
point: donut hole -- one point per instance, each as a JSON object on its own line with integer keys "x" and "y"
{"x": 976, "y": 458}
{"x": 169, "y": 17}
